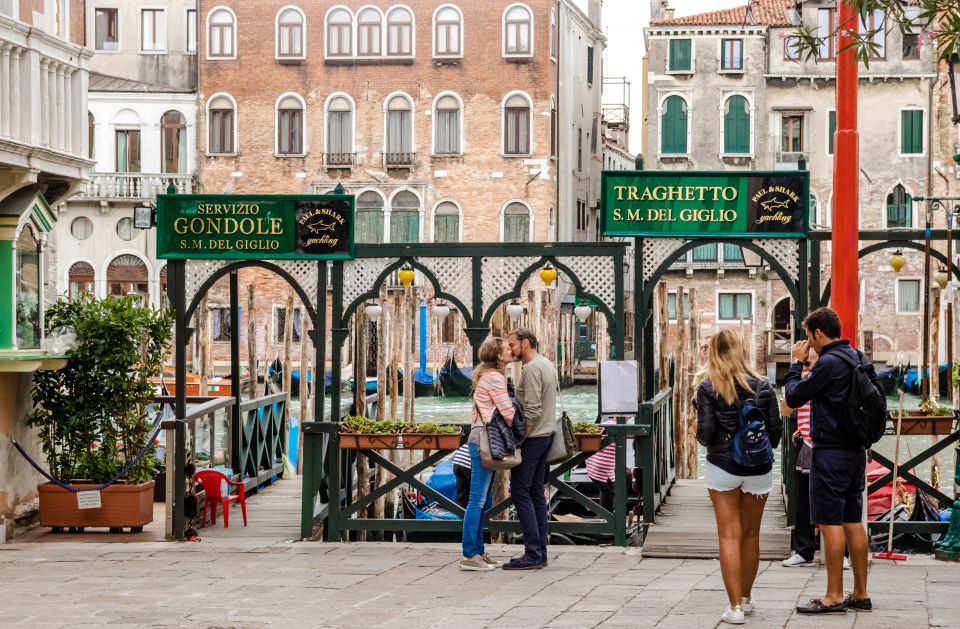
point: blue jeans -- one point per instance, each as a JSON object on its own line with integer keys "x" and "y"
{"x": 526, "y": 487}
{"x": 481, "y": 499}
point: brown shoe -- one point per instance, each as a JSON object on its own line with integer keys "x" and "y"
{"x": 491, "y": 562}
{"x": 475, "y": 564}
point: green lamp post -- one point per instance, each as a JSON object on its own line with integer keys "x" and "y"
{"x": 948, "y": 549}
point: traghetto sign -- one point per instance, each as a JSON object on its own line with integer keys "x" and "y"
{"x": 245, "y": 227}
{"x": 745, "y": 204}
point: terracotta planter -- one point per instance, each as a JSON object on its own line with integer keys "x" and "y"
{"x": 915, "y": 423}
{"x": 356, "y": 441}
{"x": 588, "y": 441}
{"x": 432, "y": 441}
{"x": 121, "y": 506}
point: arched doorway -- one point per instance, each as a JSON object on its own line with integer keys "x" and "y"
{"x": 128, "y": 275}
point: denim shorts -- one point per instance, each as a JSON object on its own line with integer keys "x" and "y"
{"x": 837, "y": 479}
{"x": 721, "y": 480}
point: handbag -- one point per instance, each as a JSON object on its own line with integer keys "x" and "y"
{"x": 509, "y": 460}
{"x": 561, "y": 448}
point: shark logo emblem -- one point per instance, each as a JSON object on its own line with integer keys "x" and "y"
{"x": 774, "y": 204}
{"x": 320, "y": 226}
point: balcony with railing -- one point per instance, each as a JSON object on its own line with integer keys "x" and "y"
{"x": 133, "y": 186}
{"x": 339, "y": 160}
{"x": 399, "y": 160}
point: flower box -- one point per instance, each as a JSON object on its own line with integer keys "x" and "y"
{"x": 916, "y": 423}
{"x": 122, "y": 505}
{"x": 588, "y": 441}
{"x": 358, "y": 441}
{"x": 430, "y": 441}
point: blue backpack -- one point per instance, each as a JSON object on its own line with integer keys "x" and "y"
{"x": 751, "y": 445}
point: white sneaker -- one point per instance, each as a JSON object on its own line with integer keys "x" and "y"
{"x": 846, "y": 563}
{"x": 733, "y": 615}
{"x": 796, "y": 561}
{"x": 475, "y": 564}
{"x": 746, "y": 604}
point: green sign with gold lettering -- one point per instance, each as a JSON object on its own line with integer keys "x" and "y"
{"x": 254, "y": 227}
{"x": 746, "y": 204}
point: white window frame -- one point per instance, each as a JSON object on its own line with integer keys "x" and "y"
{"x": 896, "y": 295}
{"x": 677, "y": 310}
{"x": 503, "y": 33}
{"x": 353, "y": 121}
{"x": 236, "y": 125}
{"x": 186, "y": 31}
{"x": 166, "y": 32}
{"x": 385, "y": 50}
{"x": 353, "y": 33}
{"x": 388, "y": 212}
{"x": 275, "y": 322}
{"x": 433, "y": 126}
{"x": 119, "y": 47}
{"x": 685, "y": 95}
{"x": 433, "y": 33}
{"x": 693, "y": 56}
{"x": 926, "y": 134}
{"x": 554, "y": 36}
{"x": 276, "y": 126}
{"x": 433, "y": 215}
{"x": 753, "y": 304}
{"x": 236, "y": 29}
{"x": 503, "y": 214}
{"x": 724, "y": 97}
{"x": 303, "y": 34}
{"x": 720, "y": 68}
{"x": 413, "y": 122}
{"x": 531, "y": 150}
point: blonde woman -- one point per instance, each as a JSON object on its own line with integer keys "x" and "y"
{"x": 490, "y": 393}
{"x": 738, "y": 493}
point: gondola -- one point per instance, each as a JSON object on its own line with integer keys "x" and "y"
{"x": 455, "y": 381}
{"x": 422, "y": 384}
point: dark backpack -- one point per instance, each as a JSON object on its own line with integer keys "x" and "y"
{"x": 750, "y": 445}
{"x": 864, "y": 414}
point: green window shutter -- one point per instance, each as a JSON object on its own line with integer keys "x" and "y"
{"x": 831, "y": 130}
{"x": 404, "y": 226}
{"x": 447, "y": 228}
{"x": 736, "y": 126}
{"x": 723, "y": 54}
{"x": 911, "y": 131}
{"x": 705, "y": 253}
{"x": 671, "y": 306}
{"x": 369, "y": 226}
{"x": 732, "y": 253}
{"x": 679, "y": 55}
{"x": 674, "y": 126}
{"x": 590, "y": 65}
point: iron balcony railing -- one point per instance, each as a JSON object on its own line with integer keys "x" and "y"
{"x": 339, "y": 159}
{"x": 134, "y": 186}
{"x": 399, "y": 159}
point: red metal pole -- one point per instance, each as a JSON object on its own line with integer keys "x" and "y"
{"x": 844, "y": 265}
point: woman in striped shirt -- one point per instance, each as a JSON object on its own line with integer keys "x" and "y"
{"x": 802, "y": 538}
{"x": 490, "y": 393}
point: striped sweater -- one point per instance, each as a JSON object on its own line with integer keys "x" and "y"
{"x": 489, "y": 395}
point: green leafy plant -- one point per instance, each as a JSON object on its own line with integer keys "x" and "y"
{"x": 92, "y": 416}
{"x": 365, "y": 426}
{"x": 430, "y": 428}
{"x": 931, "y": 407}
{"x": 588, "y": 428}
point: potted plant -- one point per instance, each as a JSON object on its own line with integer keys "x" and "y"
{"x": 430, "y": 436}
{"x": 589, "y": 436}
{"x": 91, "y": 416}
{"x": 362, "y": 433}
{"x": 929, "y": 419}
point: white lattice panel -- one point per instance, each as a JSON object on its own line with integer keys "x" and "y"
{"x": 455, "y": 276}
{"x": 786, "y": 253}
{"x": 596, "y": 275}
{"x": 197, "y": 272}
{"x": 304, "y": 272}
{"x": 655, "y": 251}
{"x": 498, "y": 276}
{"x": 360, "y": 275}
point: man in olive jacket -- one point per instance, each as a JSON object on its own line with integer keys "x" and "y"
{"x": 538, "y": 394}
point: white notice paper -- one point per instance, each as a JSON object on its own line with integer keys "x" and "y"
{"x": 619, "y": 392}
{"x": 89, "y": 499}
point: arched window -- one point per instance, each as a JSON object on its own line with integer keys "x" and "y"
{"x": 91, "y": 134}
{"x": 399, "y": 32}
{"x": 369, "y": 218}
{"x": 290, "y": 126}
{"x": 446, "y": 133}
{"x": 446, "y": 223}
{"x": 339, "y": 25}
{"x": 399, "y": 136}
{"x": 291, "y": 33}
{"x": 899, "y": 208}
{"x": 128, "y": 275}
{"x": 80, "y": 280}
{"x": 339, "y": 132}
{"x": 447, "y": 32}
{"x": 221, "y": 34}
{"x": 517, "y": 31}
{"x": 736, "y": 125}
{"x": 128, "y": 150}
{"x": 164, "y": 300}
{"x": 29, "y": 290}
{"x": 405, "y": 217}
{"x": 369, "y": 33}
{"x": 516, "y": 223}
{"x": 173, "y": 142}
{"x": 673, "y": 127}
{"x": 516, "y": 125}
{"x": 221, "y": 111}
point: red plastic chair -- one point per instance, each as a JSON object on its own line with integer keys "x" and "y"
{"x": 216, "y": 486}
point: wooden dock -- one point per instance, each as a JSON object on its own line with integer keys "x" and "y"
{"x": 273, "y": 514}
{"x": 686, "y": 527}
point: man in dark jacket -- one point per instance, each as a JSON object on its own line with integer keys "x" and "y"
{"x": 838, "y": 467}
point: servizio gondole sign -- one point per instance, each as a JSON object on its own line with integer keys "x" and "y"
{"x": 255, "y": 227}
{"x": 744, "y": 204}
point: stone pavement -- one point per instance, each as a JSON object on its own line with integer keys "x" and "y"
{"x": 221, "y": 583}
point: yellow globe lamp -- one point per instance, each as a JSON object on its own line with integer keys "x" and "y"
{"x": 941, "y": 277}
{"x": 406, "y": 275}
{"x": 548, "y": 274}
{"x": 897, "y": 261}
